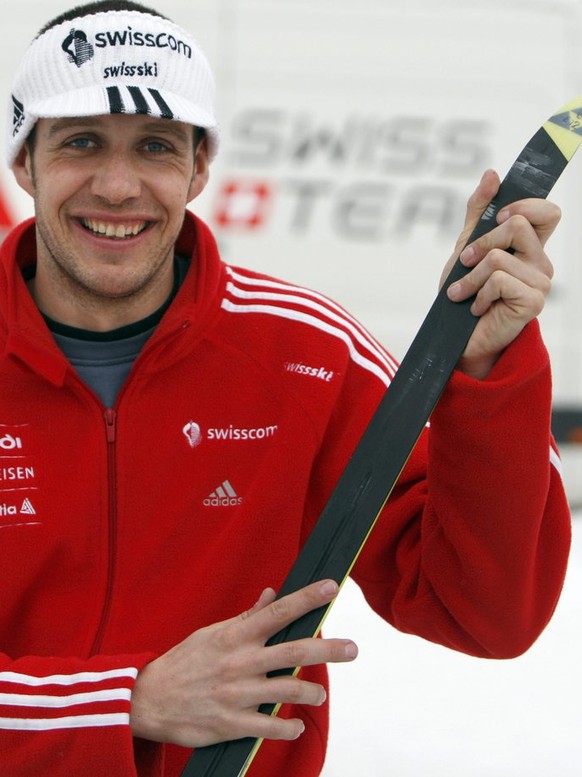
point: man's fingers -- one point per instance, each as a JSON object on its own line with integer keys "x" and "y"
{"x": 485, "y": 191}
{"x": 520, "y": 298}
{"x": 283, "y": 690}
{"x": 280, "y": 690}
{"x": 207, "y": 688}
{"x": 307, "y": 652}
{"x": 524, "y": 227}
{"x": 267, "y": 596}
{"x": 536, "y": 276}
{"x": 281, "y": 612}
{"x": 543, "y": 215}
{"x": 538, "y": 216}
{"x": 476, "y": 204}
{"x": 260, "y": 726}
{"x": 527, "y": 261}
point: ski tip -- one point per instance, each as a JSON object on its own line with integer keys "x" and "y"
{"x": 565, "y": 127}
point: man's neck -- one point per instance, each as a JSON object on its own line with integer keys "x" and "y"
{"x": 85, "y": 312}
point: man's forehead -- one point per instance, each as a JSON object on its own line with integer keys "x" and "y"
{"x": 104, "y": 122}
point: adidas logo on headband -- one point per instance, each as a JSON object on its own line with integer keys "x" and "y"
{"x": 95, "y": 65}
{"x": 17, "y": 115}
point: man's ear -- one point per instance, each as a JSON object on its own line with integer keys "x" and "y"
{"x": 22, "y": 169}
{"x": 201, "y": 171}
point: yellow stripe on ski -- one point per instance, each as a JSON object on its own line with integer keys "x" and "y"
{"x": 326, "y": 612}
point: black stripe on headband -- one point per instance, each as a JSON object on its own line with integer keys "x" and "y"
{"x": 166, "y": 113}
{"x": 115, "y": 101}
{"x": 141, "y": 106}
{"x": 140, "y": 101}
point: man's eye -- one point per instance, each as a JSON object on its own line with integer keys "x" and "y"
{"x": 81, "y": 143}
{"x": 156, "y": 146}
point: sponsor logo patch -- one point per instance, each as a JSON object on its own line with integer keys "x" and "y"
{"x": 195, "y": 435}
{"x": 131, "y": 37}
{"x": 18, "y": 115}
{"x": 321, "y": 373}
{"x": 18, "y": 478}
{"x": 125, "y": 70}
{"x": 192, "y": 433}
{"x": 223, "y": 496}
{"x": 77, "y": 48}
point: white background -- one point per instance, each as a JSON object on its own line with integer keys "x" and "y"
{"x": 407, "y": 708}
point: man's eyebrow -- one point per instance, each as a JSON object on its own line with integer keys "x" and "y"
{"x": 63, "y": 124}
{"x": 160, "y": 127}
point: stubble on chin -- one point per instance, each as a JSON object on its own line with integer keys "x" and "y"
{"x": 66, "y": 285}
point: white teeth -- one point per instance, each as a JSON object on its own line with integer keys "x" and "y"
{"x": 118, "y": 231}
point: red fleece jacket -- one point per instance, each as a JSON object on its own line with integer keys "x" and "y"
{"x": 123, "y": 531}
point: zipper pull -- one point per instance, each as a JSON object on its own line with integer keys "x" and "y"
{"x": 110, "y": 419}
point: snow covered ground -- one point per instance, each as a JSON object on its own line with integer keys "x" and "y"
{"x": 408, "y": 708}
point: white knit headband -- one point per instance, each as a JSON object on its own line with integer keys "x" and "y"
{"x": 112, "y": 62}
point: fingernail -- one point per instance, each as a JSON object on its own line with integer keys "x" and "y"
{"x": 329, "y": 588}
{"x": 502, "y": 216}
{"x": 301, "y": 729}
{"x": 467, "y": 254}
{"x": 454, "y": 291}
{"x": 351, "y": 650}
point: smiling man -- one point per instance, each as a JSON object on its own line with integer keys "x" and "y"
{"x": 110, "y": 194}
{"x": 164, "y": 457}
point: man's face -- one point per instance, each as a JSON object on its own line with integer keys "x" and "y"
{"x": 110, "y": 194}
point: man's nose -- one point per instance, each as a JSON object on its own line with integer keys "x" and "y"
{"x": 116, "y": 179}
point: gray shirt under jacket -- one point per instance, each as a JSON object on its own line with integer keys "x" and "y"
{"x": 103, "y": 360}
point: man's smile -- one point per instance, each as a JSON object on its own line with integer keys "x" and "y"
{"x": 114, "y": 230}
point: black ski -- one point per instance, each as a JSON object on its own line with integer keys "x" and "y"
{"x": 357, "y": 500}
